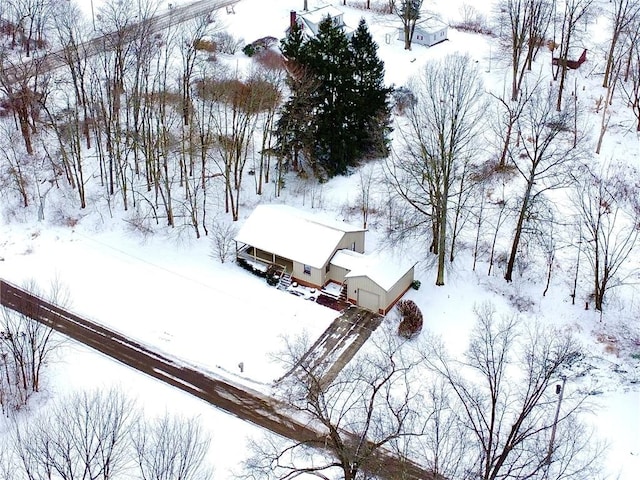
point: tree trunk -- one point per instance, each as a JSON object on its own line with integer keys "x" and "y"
{"x": 508, "y": 276}
{"x": 442, "y": 240}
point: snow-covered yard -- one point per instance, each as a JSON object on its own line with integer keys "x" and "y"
{"x": 167, "y": 291}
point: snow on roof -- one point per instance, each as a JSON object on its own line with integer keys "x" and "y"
{"x": 432, "y": 24}
{"x": 319, "y": 14}
{"x": 383, "y": 272}
{"x": 294, "y": 234}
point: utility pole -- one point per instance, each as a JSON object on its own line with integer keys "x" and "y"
{"x": 93, "y": 17}
{"x": 560, "y": 393}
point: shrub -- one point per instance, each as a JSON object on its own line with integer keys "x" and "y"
{"x": 205, "y": 45}
{"x": 249, "y": 50}
{"x": 270, "y": 59}
{"x": 250, "y": 268}
{"x": 411, "y": 323}
{"x": 416, "y": 284}
{"x": 259, "y": 45}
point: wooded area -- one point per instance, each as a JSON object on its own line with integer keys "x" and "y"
{"x": 158, "y": 125}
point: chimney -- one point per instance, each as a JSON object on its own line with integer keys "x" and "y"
{"x": 292, "y": 18}
{"x": 305, "y": 6}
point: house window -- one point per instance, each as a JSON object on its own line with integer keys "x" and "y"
{"x": 326, "y": 270}
{"x": 419, "y": 37}
{"x": 307, "y": 270}
{"x": 353, "y": 246}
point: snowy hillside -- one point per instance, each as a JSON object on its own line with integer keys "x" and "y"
{"x": 166, "y": 288}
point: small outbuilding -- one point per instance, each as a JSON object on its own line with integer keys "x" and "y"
{"x": 430, "y": 32}
{"x": 574, "y": 59}
{"x": 315, "y": 251}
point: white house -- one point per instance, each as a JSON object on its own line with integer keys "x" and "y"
{"x": 429, "y": 32}
{"x": 316, "y": 251}
{"x": 311, "y": 20}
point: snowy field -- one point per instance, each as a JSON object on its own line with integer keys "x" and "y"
{"x": 166, "y": 290}
{"x": 173, "y": 297}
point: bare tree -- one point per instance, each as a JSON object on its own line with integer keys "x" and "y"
{"x": 171, "y": 447}
{"x": 238, "y": 105}
{"x": 505, "y": 397}
{"x": 609, "y": 213}
{"x": 444, "y": 442}
{"x": 574, "y": 12}
{"x": 14, "y": 166}
{"x": 222, "y": 239}
{"x": 543, "y": 158}
{"x": 527, "y": 22}
{"x": 631, "y": 89}
{"x": 27, "y": 345}
{"x": 438, "y": 144}
{"x": 409, "y": 13}
{"x": 82, "y": 436}
{"x": 369, "y": 406}
{"x": 624, "y": 16}
{"x": 31, "y": 20}
{"x": 366, "y": 179}
{"x": 508, "y": 115}
{"x": 25, "y": 89}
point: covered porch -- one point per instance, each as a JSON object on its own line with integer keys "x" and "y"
{"x": 262, "y": 257}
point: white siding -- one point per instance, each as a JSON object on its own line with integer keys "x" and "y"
{"x": 337, "y": 274}
{"x": 315, "y": 278}
{"x": 350, "y": 238}
{"x": 399, "y": 288}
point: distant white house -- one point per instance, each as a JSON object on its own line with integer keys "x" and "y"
{"x": 315, "y": 251}
{"x": 429, "y": 33}
{"x": 310, "y": 20}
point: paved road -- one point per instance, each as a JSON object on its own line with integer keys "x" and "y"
{"x": 56, "y": 59}
{"x": 243, "y": 402}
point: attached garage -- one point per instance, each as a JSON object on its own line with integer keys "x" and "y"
{"x": 373, "y": 283}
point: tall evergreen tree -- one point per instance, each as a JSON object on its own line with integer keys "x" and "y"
{"x": 294, "y": 127}
{"x": 337, "y": 112}
{"x": 372, "y": 115}
{"x": 329, "y": 59}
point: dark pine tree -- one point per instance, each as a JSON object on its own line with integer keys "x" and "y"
{"x": 330, "y": 59}
{"x": 338, "y": 110}
{"x": 295, "y": 125}
{"x": 371, "y": 115}
{"x": 291, "y": 45}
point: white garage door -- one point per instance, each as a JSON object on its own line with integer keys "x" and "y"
{"x": 368, "y": 300}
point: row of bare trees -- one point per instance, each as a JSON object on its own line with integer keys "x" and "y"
{"x": 26, "y": 346}
{"x": 102, "y": 434}
{"x": 443, "y": 169}
{"x": 145, "y": 119}
{"x": 495, "y": 413}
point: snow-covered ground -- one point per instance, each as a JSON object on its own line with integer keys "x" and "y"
{"x": 168, "y": 292}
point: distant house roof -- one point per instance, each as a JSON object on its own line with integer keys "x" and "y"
{"x": 319, "y": 14}
{"x": 432, "y": 25}
{"x": 294, "y": 234}
{"x": 310, "y": 20}
{"x": 383, "y": 272}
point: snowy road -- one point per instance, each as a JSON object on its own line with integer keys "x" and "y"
{"x": 58, "y": 58}
{"x": 245, "y": 403}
